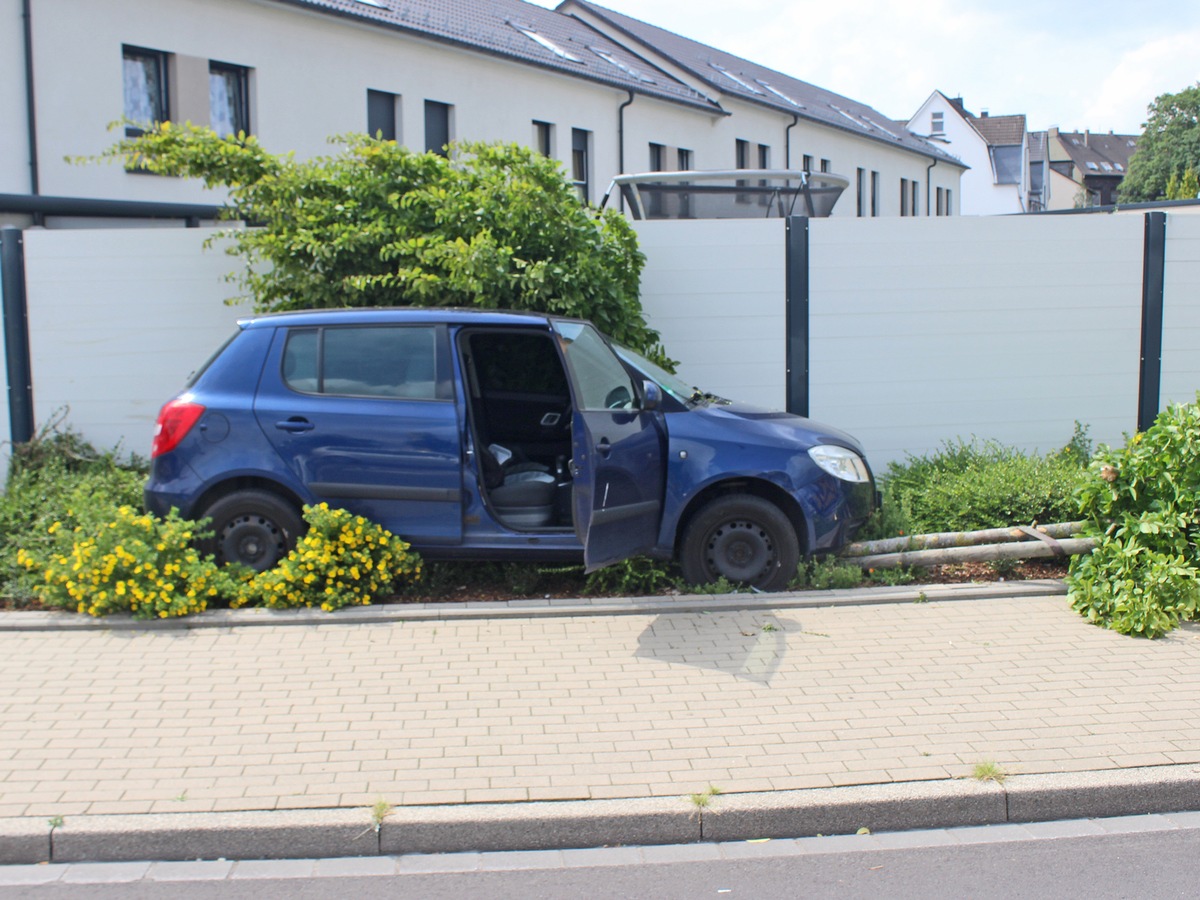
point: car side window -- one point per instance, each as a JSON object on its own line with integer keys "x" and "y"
{"x": 367, "y": 361}
{"x": 601, "y": 381}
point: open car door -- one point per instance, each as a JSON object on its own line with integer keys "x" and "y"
{"x": 617, "y": 448}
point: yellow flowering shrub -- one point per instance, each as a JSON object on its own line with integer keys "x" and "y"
{"x": 343, "y": 560}
{"x": 132, "y": 563}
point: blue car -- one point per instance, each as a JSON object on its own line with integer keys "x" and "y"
{"x": 496, "y": 435}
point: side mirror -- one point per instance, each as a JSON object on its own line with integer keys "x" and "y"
{"x": 651, "y": 395}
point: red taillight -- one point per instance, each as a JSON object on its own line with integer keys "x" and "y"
{"x": 174, "y": 422}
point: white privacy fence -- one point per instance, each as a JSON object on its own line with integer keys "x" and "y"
{"x": 904, "y": 332}
{"x": 924, "y": 330}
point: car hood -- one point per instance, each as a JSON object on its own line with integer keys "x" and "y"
{"x": 772, "y": 424}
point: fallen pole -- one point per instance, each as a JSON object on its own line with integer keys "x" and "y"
{"x": 1029, "y": 549}
{"x": 947, "y": 539}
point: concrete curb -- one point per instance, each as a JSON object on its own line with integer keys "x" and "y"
{"x": 330, "y": 833}
{"x": 510, "y": 609}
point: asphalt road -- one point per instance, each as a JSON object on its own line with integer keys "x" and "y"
{"x": 1135, "y": 858}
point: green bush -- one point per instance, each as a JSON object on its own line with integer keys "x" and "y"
{"x": 967, "y": 486}
{"x": 639, "y": 576}
{"x": 57, "y": 478}
{"x": 377, "y": 224}
{"x": 1142, "y": 503}
{"x": 828, "y": 574}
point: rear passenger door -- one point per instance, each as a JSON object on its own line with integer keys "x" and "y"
{"x": 364, "y": 416}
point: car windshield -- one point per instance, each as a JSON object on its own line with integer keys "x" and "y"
{"x": 672, "y": 384}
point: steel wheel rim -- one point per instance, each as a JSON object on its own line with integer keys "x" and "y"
{"x": 740, "y": 550}
{"x": 252, "y": 540}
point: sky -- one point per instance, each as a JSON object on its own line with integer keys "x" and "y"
{"x": 1094, "y": 65}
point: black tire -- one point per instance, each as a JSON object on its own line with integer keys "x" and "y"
{"x": 742, "y": 538}
{"x": 253, "y": 528}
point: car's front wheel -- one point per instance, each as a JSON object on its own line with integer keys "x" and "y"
{"x": 253, "y": 528}
{"x": 742, "y": 538}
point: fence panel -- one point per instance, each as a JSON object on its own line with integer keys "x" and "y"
{"x": 118, "y": 318}
{"x": 715, "y": 290}
{"x": 1007, "y": 328}
{"x": 919, "y": 330}
{"x": 1181, "y": 311}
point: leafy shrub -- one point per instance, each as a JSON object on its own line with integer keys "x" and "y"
{"x": 1141, "y": 503}
{"x": 892, "y": 577}
{"x": 343, "y": 560}
{"x": 973, "y": 485}
{"x": 127, "y": 562}
{"x": 377, "y": 224}
{"x": 57, "y": 478}
{"x": 639, "y": 576}
{"x": 829, "y": 574}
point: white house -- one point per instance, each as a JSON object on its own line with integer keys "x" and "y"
{"x": 994, "y": 147}
{"x": 602, "y": 93}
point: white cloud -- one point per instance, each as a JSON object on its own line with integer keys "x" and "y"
{"x": 1015, "y": 56}
{"x": 1158, "y": 67}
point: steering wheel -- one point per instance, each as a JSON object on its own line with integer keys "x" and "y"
{"x": 619, "y": 398}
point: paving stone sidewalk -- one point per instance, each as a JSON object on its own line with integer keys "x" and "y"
{"x": 579, "y": 707}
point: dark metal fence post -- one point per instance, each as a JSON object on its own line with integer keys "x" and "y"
{"x": 16, "y": 335}
{"x": 1153, "y": 271}
{"x": 796, "y": 305}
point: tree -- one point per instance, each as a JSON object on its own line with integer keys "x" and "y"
{"x": 1169, "y": 146}
{"x": 1184, "y": 188}
{"x": 495, "y": 226}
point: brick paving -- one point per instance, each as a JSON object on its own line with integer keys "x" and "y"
{"x": 575, "y": 707}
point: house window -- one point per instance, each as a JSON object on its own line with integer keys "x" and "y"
{"x": 825, "y": 165}
{"x": 437, "y": 127}
{"x": 741, "y": 155}
{"x": 862, "y": 193}
{"x": 658, "y": 158}
{"x": 808, "y": 161}
{"x": 581, "y": 145}
{"x": 543, "y": 138}
{"x": 381, "y": 114}
{"x": 904, "y": 196}
{"x": 229, "y": 98}
{"x": 684, "y": 158}
{"x": 145, "y": 77}
{"x": 949, "y": 202}
{"x": 937, "y": 123}
{"x": 874, "y": 193}
{"x": 941, "y": 202}
{"x": 915, "y": 206}
{"x": 764, "y": 156}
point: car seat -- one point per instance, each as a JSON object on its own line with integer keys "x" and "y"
{"x": 522, "y": 493}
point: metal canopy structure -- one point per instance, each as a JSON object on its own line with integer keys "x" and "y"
{"x": 729, "y": 194}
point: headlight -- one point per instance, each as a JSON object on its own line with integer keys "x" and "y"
{"x": 840, "y": 462}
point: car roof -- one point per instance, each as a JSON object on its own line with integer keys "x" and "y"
{"x": 397, "y": 315}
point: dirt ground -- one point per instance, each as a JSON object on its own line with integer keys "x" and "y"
{"x": 484, "y": 582}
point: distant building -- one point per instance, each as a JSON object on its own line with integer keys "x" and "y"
{"x": 1086, "y": 168}
{"x": 600, "y": 92}
{"x": 997, "y": 181}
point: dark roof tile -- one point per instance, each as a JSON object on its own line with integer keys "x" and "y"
{"x": 492, "y": 26}
{"x": 746, "y": 80}
{"x": 1099, "y": 154}
{"x": 1001, "y": 131}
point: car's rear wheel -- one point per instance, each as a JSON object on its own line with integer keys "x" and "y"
{"x": 253, "y": 528}
{"x": 742, "y": 538}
